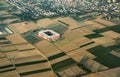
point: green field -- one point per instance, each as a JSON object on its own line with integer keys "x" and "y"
{"x": 108, "y": 60}
{"x": 5, "y": 42}
{"x": 63, "y": 64}
{"x": 7, "y": 17}
{"x": 30, "y": 63}
{"x": 115, "y": 28}
{"x": 96, "y": 35}
{"x": 59, "y": 28}
{"x": 104, "y": 57}
{"x": 34, "y": 72}
{"x": 115, "y": 47}
{"x": 6, "y": 66}
{"x": 3, "y": 38}
{"x": 32, "y": 37}
{"x": 102, "y": 30}
{"x": 7, "y": 70}
{"x": 56, "y": 56}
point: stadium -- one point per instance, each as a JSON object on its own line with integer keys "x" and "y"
{"x": 49, "y": 35}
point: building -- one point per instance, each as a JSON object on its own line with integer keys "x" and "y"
{"x": 112, "y": 1}
{"x": 49, "y": 35}
{"x": 5, "y": 31}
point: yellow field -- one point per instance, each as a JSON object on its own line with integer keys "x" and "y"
{"x": 72, "y": 23}
{"x": 105, "y": 22}
{"x": 18, "y": 28}
{"x": 110, "y": 34}
{"x": 94, "y": 25}
{"x": 16, "y": 39}
{"x": 44, "y": 22}
{"x": 46, "y": 48}
{"x": 105, "y": 41}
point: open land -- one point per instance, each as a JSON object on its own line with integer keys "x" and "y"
{"x": 89, "y": 46}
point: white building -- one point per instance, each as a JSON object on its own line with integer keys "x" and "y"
{"x": 1, "y": 33}
{"x": 49, "y": 35}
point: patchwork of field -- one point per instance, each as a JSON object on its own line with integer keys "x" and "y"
{"x": 110, "y": 34}
{"x": 105, "y": 22}
{"x": 84, "y": 48}
{"x": 22, "y": 27}
{"x": 104, "y": 57}
{"x": 24, "y": 60}
{"x": 58, "y": 59}
{"x": 94, "y": 25}
{"x": 69, "y": 22}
